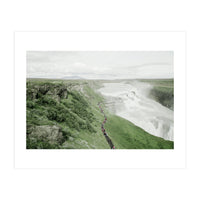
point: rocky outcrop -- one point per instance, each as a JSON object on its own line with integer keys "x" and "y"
{"x": 56, "y": 92}
{"x": 50, "y": 134}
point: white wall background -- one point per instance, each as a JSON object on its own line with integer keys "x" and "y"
{"x": 113, "y": 15}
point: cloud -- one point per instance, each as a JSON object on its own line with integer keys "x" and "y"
{"x": 100, "y": 65}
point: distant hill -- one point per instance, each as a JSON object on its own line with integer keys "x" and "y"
{"x": 72, "y": 77}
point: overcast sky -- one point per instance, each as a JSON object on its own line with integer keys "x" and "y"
{"x": 99, "y": 65}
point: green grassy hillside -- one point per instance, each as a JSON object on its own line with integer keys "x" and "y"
{"x": 64, "y": 115}
{"x": 126, "y": 135}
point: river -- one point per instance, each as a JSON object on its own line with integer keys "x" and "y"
{"x": 129, "y": 100}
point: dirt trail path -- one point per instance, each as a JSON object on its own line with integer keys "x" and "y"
{"x": 104, "y": 130}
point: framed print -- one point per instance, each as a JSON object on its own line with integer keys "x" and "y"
{"x": 100, "y": 100}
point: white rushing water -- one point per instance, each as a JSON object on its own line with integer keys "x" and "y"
{"x": 131, "y": 101}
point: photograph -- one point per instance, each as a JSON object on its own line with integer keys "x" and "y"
{"x": 99, "y": 100}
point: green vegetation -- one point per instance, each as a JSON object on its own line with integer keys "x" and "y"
{"x": 61, "y": 104}
{"x": 64, "y": 115}
{"x": 35, "y": 143}
{"x": 126, "y": 135}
